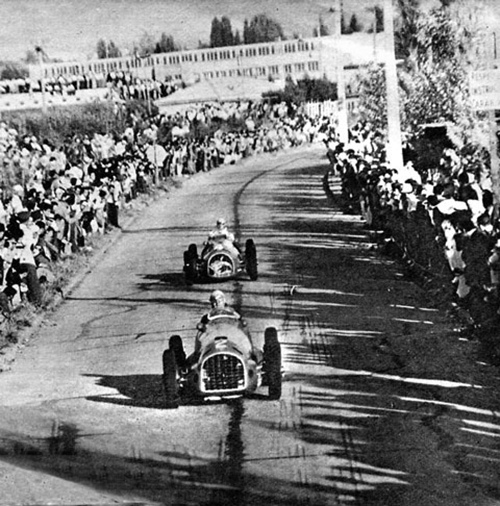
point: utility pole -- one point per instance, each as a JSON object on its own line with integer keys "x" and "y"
{"x": 39, "y": 52}
{"x": 491, "y": 56}
{"x": 343, "y": 129}
{"x": 394, "y": 145}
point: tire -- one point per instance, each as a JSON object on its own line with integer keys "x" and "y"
{"x": 251, "y": 259}
{"x": 170, "y": 386}
{"x": 175, "y": 344}
{"x": 272, "y": 362}
{"x": 190, "y": 261}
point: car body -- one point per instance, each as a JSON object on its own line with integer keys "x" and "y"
{"x": 225, "y": 362}
{"x": 219, "y": 261}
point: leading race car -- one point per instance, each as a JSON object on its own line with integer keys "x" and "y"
{"x": 225, "y": 363}
{"x": 220, "y": 260}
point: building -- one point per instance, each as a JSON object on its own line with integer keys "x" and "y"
{"x": 296, "y": 58}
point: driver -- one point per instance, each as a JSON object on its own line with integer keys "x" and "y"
{"x": 220, "y": 232}
{"x": 221, "y": 235}
{"x": 219, "y": 307}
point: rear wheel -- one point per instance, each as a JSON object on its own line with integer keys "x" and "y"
{"x": 272, "y": 362}
{"x": 170, "y": 385}
{"x": 251, "y": 259}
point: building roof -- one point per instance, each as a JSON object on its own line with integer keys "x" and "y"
{"x": 229, "y": 89}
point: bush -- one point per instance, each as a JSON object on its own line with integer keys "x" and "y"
{"x": 61, "y": 123}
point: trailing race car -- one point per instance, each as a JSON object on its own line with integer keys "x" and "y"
{"x": 225, "y": 363}
{"x": 220, "y": 260}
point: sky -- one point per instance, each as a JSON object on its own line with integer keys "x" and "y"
{"x": 67, "y": 28}
{"x": 70, "y": 29}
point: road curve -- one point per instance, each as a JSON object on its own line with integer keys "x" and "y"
{"x": 372, "y": 411}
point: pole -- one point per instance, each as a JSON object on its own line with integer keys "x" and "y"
{"x": 343, "y": 130}
{"x": 39, "y": 51}
{"x": 491, "y": 56}
{"x": 394, "y": 145}
{"x": 494, "y": 159}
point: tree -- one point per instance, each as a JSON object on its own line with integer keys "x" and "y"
{"x": 166, "y": 44}
{"x": 405, "y": 34}
{"x": 107, "y": 49}
{"x": 262, "y": 29}
{"x": 354, "y": 24}
{"x": 216, "y": 33}
{"x": 113, "y": 51}
{"x": 31, "y": 57}
{"x": 372, "y": 105}
{"x": 323, "y": 30}
{"x": 344, "y": 30}
{"x": 14, "y": 71}
{"x": 305, "y": 90}
{"x": 221, "y": 33}
{"x": 145, "y": 46}
{"x": 379, "y": 19}
{"x": 433, "y": 83}
{"x": 378, "y": 22}
{"x": 102, "y": 49}
{"x": 226, "y": 31}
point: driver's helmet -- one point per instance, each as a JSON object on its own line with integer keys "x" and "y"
{"x": 217, "y": 299}
{"x": 221, "y": 223}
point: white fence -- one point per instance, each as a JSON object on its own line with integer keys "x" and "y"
{"x": 329, "y": 108}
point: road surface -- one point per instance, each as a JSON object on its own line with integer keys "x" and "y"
{"x": 383, "y": 403}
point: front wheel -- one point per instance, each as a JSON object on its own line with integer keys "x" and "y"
{"x": 251, "y": 259}
{"x": 190, "y": 262}
{"x": 272, "y": 362}
{"x": 170, "y": 386}
{"x": 175, "y": 344}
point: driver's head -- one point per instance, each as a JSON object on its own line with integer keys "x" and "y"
{"x": 221, "y": 223}
{"x": 217, "y": 299}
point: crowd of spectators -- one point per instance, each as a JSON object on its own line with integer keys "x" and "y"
{"x": 443, "y": 220}
{"x": 129, "y": 87}
{"x": 54, "y": 198}
{"x": 125, "y": 84}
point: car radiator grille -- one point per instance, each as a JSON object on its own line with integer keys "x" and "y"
{"x": 223, "y": 372}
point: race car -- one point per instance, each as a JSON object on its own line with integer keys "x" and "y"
{"x": 219, "y": 261}
{"x": 225, "y": 363}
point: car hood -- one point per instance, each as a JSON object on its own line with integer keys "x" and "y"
{"x": 225, "y": 336}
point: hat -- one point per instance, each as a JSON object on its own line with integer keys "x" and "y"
{"x": 23, "y": 216}
{"x": 406, "y": 188}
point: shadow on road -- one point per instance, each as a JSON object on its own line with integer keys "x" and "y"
{"x": 381, "y": 407}
{"x": 138, "y": 390}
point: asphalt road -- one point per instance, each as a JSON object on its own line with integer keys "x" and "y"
{"x": 383, "y": 403}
